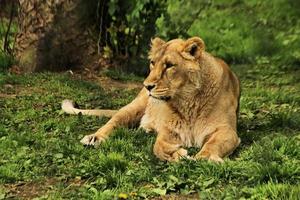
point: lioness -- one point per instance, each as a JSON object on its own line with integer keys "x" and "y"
{"x": 190, "y": 98}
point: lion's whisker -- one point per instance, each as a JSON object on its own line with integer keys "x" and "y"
{"x": 160, "y": 90}
{"x": 158, "y": 93}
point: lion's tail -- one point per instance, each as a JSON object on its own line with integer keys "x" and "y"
{"x": 68, "y": 107}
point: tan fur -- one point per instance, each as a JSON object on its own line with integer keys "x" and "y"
{"x": 192, "y": 101}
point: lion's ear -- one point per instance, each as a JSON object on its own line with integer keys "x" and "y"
{"x": 194, "y": 47}
{"x": 156, "y": 43}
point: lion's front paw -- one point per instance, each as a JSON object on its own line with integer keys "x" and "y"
{"x": 210, "y": 157}
{"x": 92, "y": 140}
{"x": 180, "y": 153}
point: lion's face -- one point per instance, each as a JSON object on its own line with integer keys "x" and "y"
{"x": 174, "y": 66}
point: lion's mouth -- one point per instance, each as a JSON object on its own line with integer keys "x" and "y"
{"x": 160, "y": 94}
{"x": 163, "y": 98}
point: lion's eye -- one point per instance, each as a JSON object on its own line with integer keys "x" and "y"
{"x": 169, "y": 65}
{"x": 152, "y": 64}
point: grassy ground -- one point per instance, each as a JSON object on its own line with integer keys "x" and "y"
{"x": 41, "y": 155}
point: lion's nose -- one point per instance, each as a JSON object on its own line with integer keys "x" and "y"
{"x": 149, "y": 87}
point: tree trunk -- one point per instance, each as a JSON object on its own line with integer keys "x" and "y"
{"x": 53, "y": 35}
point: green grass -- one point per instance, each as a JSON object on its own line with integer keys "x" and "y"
{"x": 5, "y": 61}
{"x": 40, "y": 153}
{"x": 237, "y": 30}
{"x": 40, "y": 145}
{"x": 119, "y": 75}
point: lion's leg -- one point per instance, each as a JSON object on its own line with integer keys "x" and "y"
{"x": 128, "y": 115}
{"x": 221, "y": 143}
{"x": 168, "y": 147}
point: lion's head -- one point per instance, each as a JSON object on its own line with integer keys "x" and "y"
{"x": 174, "y": 66}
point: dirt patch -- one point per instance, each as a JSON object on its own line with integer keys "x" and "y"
{"x": 108, "y": 84}
{"x": 30, "y": 190}
{"x": 7, "y": 96}
{"x": 18, "y": 90}
{"x": 105, "y": 82}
